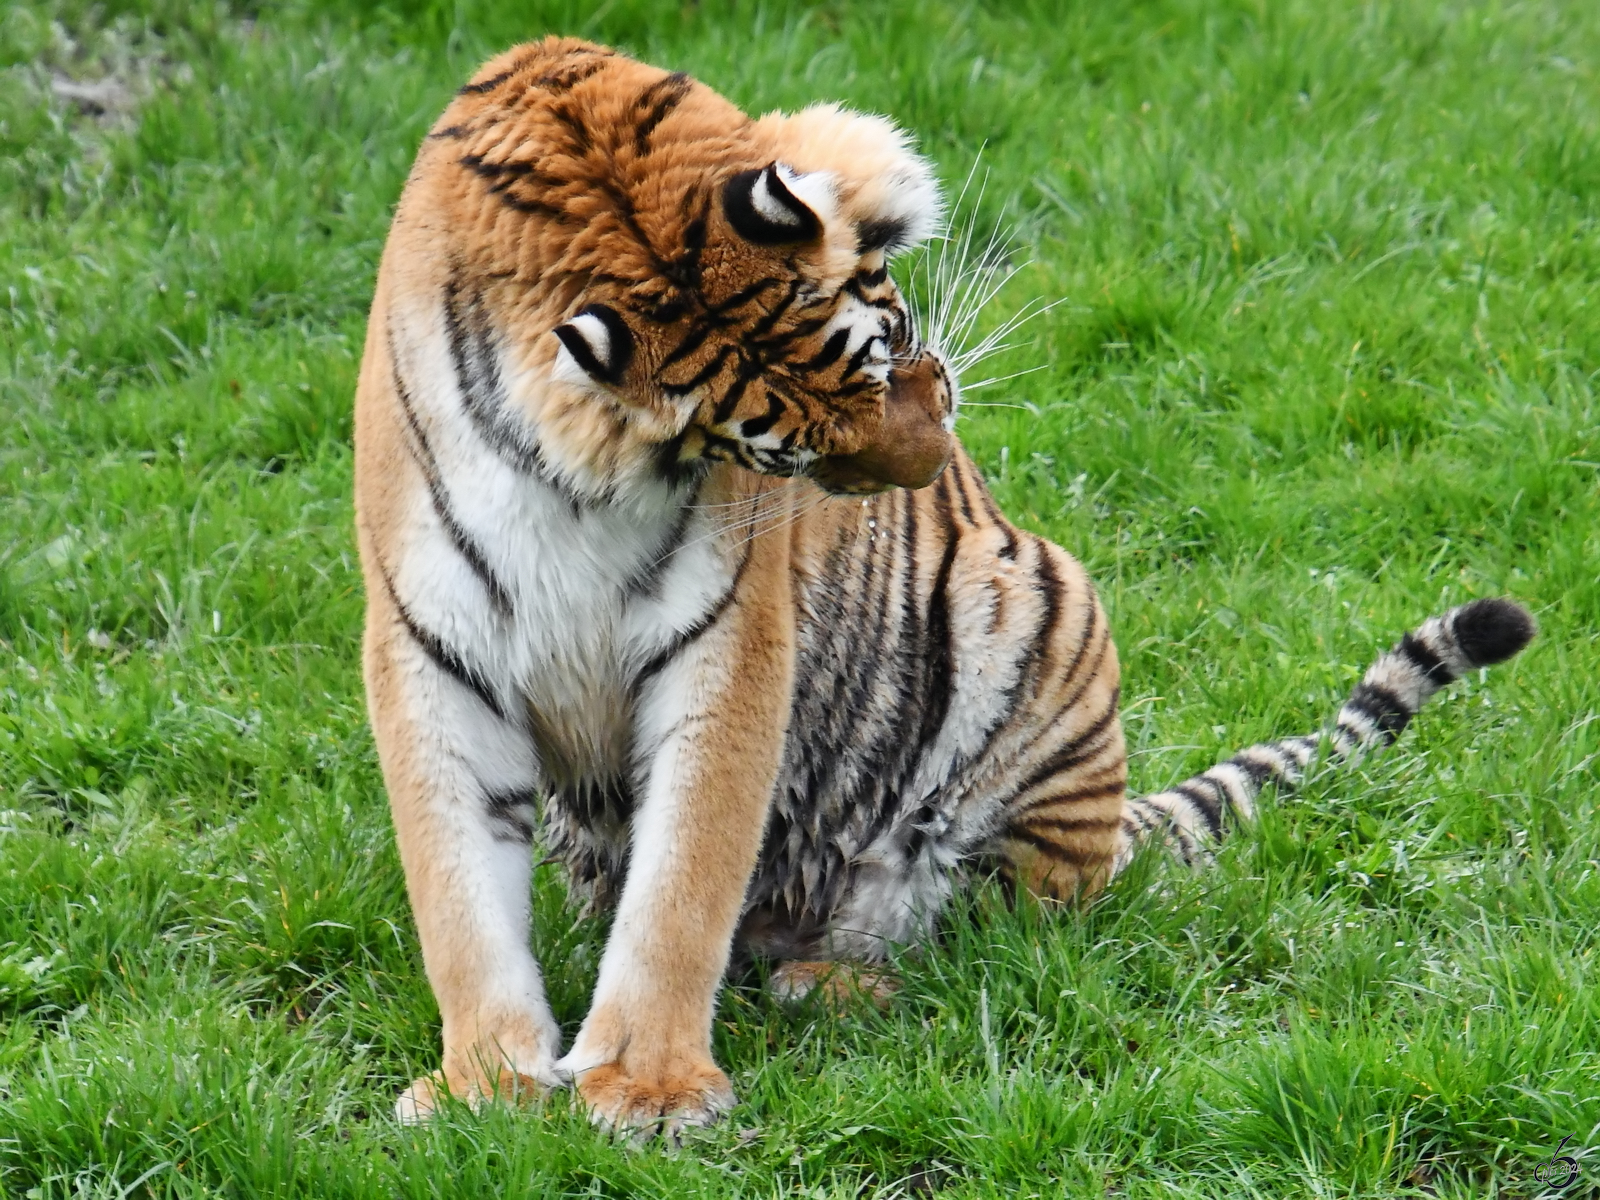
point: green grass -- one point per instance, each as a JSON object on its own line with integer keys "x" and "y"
{"x": 1327, "y": 363}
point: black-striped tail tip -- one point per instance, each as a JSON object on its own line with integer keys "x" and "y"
{"x": 1492, "y": 630}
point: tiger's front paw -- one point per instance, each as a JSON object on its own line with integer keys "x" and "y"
{"x": 515, "y": 1065}
{"x": 648, "y": 1104}
{"x": 426, "y": 1096}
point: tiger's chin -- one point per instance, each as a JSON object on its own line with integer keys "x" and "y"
{"x": 842, "y": 477}
{"x": 881, "y": 470}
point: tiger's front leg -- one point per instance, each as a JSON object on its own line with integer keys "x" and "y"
{"x": 711, "y": 726}
{"x": 459, "y": 779}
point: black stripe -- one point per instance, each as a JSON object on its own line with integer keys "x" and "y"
{"x": 1207, "y": 802}
{"x": 878, "y": 747}
{"x": 1092, "y": 634}
{"x": 827, "y": 720}
{"x": 1382, "y": 705}
{"x": 504, "y": 176}
{"x": 1068, "y": 824}
{"x": 705, "y": 373}
{"x": 742, "y": 297}
{"x": 1138, "y": 811}
{"x": 958, "y": 469}
{"x": 1163, "y": 822}
{"x": 692, "y": 340}
{"x": 582, "y": 143}
{"x": 1050, "y": 586}
{"x": 882, "y": 233}
{"x": 533, "y": 208}
{"x": 693, "y": 634}
{"x": 1073, "y": 753}
{"x": 684, "y": 270}
{"x": 1009, "y": 550}
{"x": 504, "y": 806}
{"x": 1281, "y": 767}
{"x": 717, "y": 446}
{"x": 564, "y": 79}
{"x": 1051, "y": 589}
{"x": 862, "y": 353}
{"x": 483, "y": 396}
{"x": 442, "y": 656}
{"x": 711, "y": 321}
{"x": 1257, "y": 773}
{"x": 478, "y": 380}
{"x": 463, "y": 542}
{"x": 754, "y": 427}
{"x": 832, "y": 350}
{"x": 858, "y": 736}
{"x": 1088, "y": 791}
{"x": 1425, "y": 660}
{"x": 1380, "y": 699}
{"x": 507, "y": 173}
{"x": 881, "y": 303}
{"x": 939, "y": 638}
{"x": 782, "y": 344}
{"x": 764, "y": 326}
{"x": 488, "y": 85}
{"x": 747, "y": 372}
{"x": 1049, "y": 848}
{"x": 657, "y": 100}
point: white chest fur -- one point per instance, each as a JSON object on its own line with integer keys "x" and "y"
{"x": 555, "y": 599}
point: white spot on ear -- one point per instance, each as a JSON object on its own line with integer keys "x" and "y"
{"x": 567, "y": 370}
{"x": 594, "y": 334}
{"x": 771, "y": 209}
{"x": 815, "y": 190}
{"x": 912, "y": 198}
{"x": 593, "y": 330}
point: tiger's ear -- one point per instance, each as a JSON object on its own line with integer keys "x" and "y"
{"x": 763, "y": 208}
{"x": 595, "y": 344}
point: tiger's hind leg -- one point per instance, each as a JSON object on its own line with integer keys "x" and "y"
{"x": 1059, "y": 832}
{"x": 1065, "y": 847}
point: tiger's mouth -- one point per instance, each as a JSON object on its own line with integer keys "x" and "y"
{"x": 912, "y": 445}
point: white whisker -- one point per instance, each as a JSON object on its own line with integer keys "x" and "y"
{"x": 758, "y": 508}
{"x": 970, "y": 387}
{"x": 810, "y": 505}
{"x": 957, "y": 281}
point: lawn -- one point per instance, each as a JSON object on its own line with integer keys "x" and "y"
{"x": 1326, "y": 362}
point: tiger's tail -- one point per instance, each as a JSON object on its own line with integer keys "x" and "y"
{"x": 1193, "y": 815}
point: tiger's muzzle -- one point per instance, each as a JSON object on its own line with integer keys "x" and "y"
{"x": 913, "y": 443}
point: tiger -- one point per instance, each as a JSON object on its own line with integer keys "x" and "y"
{"x": 676, "y": 570}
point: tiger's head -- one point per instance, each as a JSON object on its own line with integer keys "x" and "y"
{"x": 673, "y": 276}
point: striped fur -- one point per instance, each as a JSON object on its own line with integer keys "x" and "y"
{"x": 674, "y": 567}
{"x": 1194, "y": 814}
